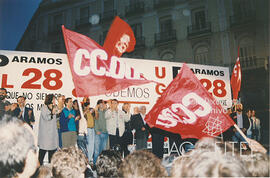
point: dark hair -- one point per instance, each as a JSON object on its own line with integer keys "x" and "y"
{"x": 75, "y": 101}
{"x": 49, "y": 99}
{"x": 100, "y": 101}
{"x": 66, "y": 100}
{"x": 114, "y": 100}
{"x": 3, "y": 89}
{"x": 21, "y": 97}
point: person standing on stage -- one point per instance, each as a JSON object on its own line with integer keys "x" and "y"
{"x": 256, "y": 126}
{"x": 101, "y": 133}
{"x": 116, "y": 123}
{"x": 48, "y": 134}
{"x": 141, "y": 127}
{"x": 5, "y": 105}
{"x": 68, "y": 121}
{"x": 26, "y": 114}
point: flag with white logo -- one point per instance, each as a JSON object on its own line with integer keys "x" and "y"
{"x": 94, "y": 70}
{"x": 236, "y": 79}
{"x": 120, "y": 38}
{"x": 187, "y": 108}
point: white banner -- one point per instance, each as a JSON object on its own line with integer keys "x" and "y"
{"x": 35, "y": 74}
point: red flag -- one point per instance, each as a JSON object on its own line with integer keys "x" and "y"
{"x": 94, "y": 71}
{"x": 186, "y": 107}
{"x": 120, "y": 38}
{"x": 236, "y": 79}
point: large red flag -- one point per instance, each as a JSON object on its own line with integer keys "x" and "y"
{"x": 95, "y": 71}
{"x": 120, "y": 38}
{"x": 186, "y": 107}
{"x": 236, "y": 79}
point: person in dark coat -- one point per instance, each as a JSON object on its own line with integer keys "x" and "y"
{"x": 141, "y": 127}
{"x": 127, "y": 137}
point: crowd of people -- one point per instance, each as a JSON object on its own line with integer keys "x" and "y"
{"x": 99, "y": 142}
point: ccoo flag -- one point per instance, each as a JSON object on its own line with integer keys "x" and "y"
{"x": 186, "y": 108}
{"x": 94, "y": 71}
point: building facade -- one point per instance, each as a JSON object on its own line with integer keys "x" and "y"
{"x": 193, "y": 31}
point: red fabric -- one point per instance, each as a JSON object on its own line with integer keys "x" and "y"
{"x": 91, "y": 84}
{"x": 120, "y": 38}
{"x": 186, "y": 108}
{"x": 236, "y": 79}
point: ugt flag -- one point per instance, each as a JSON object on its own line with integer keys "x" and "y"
{"x": 120, "y": 38}
{"x": 94, "y": 71}
{"x": 186, "y": 108}
{"x": 236, "y": 79}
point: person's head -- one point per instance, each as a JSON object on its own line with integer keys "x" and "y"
{"x": 61, "y": 99}
{"x": 136, "y": 110}
{"x": 107, "y": 163}
{"x": 3, "y": 93}
{"x": 101, "y": 104}
{"x": 142, "y": 163}
{"x": 21, "y": 101}
{"x": 253, "y": 113}
{"x": 126, "y": 107}
{"x": 86, "y": 106}
{"x": 69, "y": 162}
{"x": 49, "y": 99}
{"x": 75, "y": 105}
{"x": 142, "y": 110}
{"x": 18, "y": 156}
{"x": 114, "y": 104}
{"x": 209, "y": 164}
{"x": 68, "y": 103}
{"x": 248, "y": 112}
{"x": 257, "y": 164}
{"x": 44, "y": 171}
{"x": 239, "y": 107}
{"x": 86, "y": 99}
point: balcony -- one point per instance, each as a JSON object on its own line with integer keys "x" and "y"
{"x": 243, "y": 19}
{"x": 135, "y": 8}
{"x": 252, "y": 62}
{"x": 82, "y": 22}
{"x": 54, "y": 29}
{"x": 163, "y": 3}
{"x": 140, "y": 42}
{"x": 165, "y": 37}
{"x": 108, "y": 15}
{"x": 199, "y": 30}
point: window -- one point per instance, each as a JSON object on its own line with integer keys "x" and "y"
{"x": 137, "y": 29}
{"x": 247, "y": 53}
{"x": 167, "y": 56}
{"x": 243, "y": 8}
{"x": 84, "y": 12}
{"x": 108, "y": 5}
{"x": 57, "y": 19}
{"x": 201, "y": 55}
{"x": 165, "y": 24}
{"x": 199, "y": 19}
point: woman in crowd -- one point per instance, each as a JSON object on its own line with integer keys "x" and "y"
{"x": 60, "y": 107}
{"x": 48, "y": 134}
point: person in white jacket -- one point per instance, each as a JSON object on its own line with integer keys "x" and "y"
{"x": 116, "y": 124}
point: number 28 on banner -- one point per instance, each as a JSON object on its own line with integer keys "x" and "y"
{"x": 218, "y": 87}
{"x": 52, "y": 79}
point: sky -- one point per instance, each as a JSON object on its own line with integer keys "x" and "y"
{"x": 14, "y": 18}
